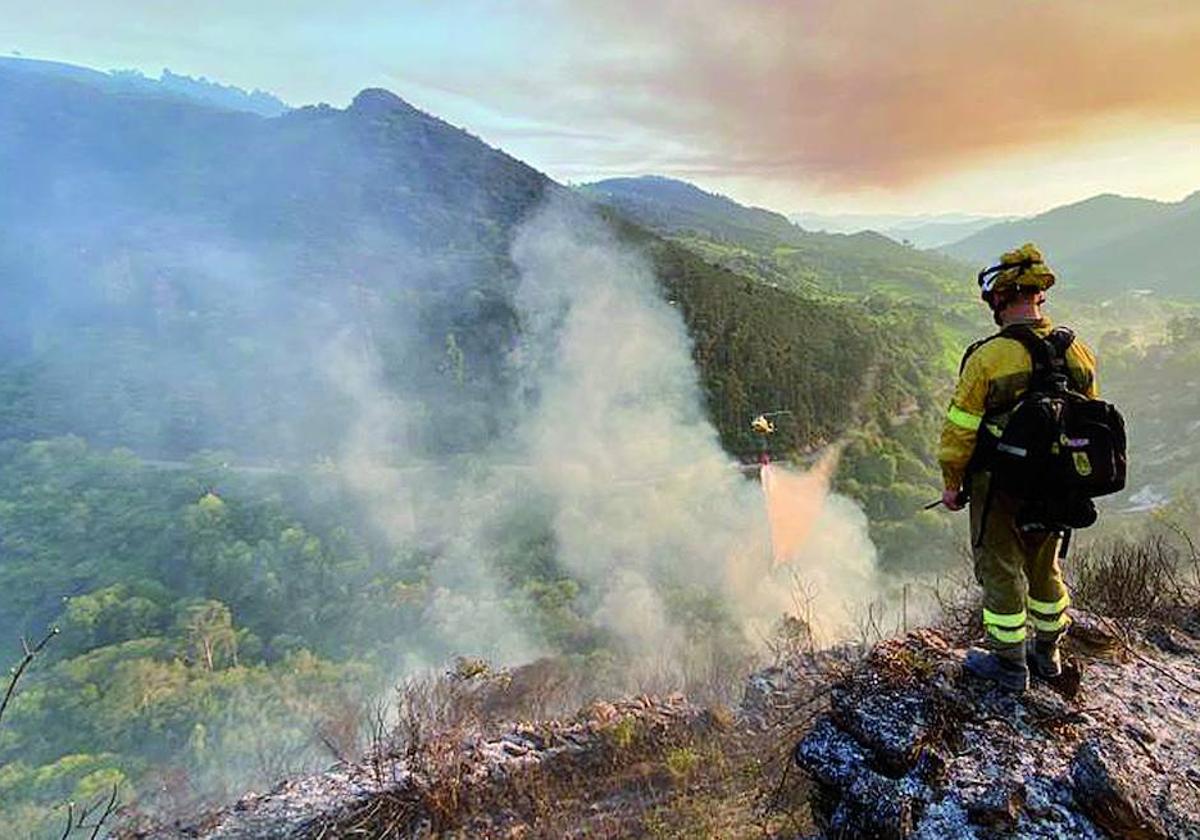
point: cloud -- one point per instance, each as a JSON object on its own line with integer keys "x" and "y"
{"x": 842, "y": 96}
{"x": 837, "y": 95}
{"x": 878, "y": 93}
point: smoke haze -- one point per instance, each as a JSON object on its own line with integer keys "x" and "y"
{"x": 612, "y": 454}
{"x": 447, "y": 411}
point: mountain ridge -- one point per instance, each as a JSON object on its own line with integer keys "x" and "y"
{"x": 767, "y": 245}
{"x": 921, "y": 231}
{"x": 200, "y": 90}
{"x": 1106, "y": 242}
{"x": 690, "y": 206}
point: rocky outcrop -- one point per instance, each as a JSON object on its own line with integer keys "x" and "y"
{"x": 896, "y": 742}
{"x": 910, "y": 747}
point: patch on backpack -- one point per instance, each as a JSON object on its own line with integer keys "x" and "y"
{"x": 1082, "y": 465}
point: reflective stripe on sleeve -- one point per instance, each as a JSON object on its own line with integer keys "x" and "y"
{"x": 963, "y": 419}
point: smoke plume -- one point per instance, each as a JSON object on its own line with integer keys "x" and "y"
{"x": 612, "y": 454}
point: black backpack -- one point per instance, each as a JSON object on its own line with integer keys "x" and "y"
{"x": 1058, "y": 449}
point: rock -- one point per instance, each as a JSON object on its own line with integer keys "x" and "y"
{"x": 761, "y": 691}
{"x": 912, "y": 747}
{"x": 514, "y": 748}
{"x": 892, "y": 727}
{"x": 1171, "y": 640}
{"x": 1107, "y": 794}
{"x": 776, "y": 692}
{"x": 852, "y": 800}
{"x": 995, "y": 805}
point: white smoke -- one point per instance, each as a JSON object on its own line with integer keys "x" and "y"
{"x": 615, "y": 452}
{"x": 619, "y": 439}
{"x": 644, "y": 495}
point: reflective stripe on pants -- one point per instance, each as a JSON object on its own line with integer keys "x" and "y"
{"x": 1015, "y": 570}
{"x": 1006, "y": 628}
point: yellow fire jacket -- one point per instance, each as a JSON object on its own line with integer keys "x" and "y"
{"x": 994, "y": 377}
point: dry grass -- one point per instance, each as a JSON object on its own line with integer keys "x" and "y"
{"x": 622, "y": 774}
{"x": 1122, "y": 579}
{"x": 959, "y": 607}
{"x": 1154, "y": 577}
{"x": 711, "y": 775}
{"x": 740, "y": 784}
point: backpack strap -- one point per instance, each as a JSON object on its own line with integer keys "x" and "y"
{"x": 974, "y": 346}
{"x": 1048, "y": 355}
{"x": 1061, "y": 338}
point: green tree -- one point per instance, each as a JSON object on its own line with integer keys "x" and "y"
{"x": 208, "y": 632}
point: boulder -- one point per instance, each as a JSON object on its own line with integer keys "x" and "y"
{"x": 912, "y": 747}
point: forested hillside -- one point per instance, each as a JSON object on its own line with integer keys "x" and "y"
{"x": 215, "y": 295}
{"x": 915, "y": 311}
{"x": 206, "y": 264}
{"x": 206, "y": 633}
{"x": 766, "y": 245}
{"x": 235, "y": 349}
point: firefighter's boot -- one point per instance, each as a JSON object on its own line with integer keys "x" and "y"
{"x": 1008, "y": 672}
{"x": 1045, "y": 659}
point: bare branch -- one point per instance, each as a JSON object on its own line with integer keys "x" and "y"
{"x": 70, "y": 821}
{"x": 109, "y": 810}
{"x": 79, "y": 822}
{"x": 29, "y": 654}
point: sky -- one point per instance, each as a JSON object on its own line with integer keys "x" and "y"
{"x": 865, "y": 106}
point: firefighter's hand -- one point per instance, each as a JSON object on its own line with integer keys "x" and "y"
{"x": 952, "y": 499}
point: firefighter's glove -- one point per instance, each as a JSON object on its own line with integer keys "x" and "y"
{"x": 953, "y": 499}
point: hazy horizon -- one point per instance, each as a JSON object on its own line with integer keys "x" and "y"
{"x": 846, "y": 220}
{"x": 799, "y": 107}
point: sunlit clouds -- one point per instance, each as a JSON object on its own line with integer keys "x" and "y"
{"x": 871, "y": 104}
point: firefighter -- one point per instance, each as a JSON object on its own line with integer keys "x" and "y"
{"x": 1018, "y": 568}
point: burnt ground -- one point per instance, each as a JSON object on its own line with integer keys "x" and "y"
{"x": 894, "y": 743}
{"x": 910, "y": 747}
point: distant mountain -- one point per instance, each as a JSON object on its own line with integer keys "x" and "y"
{"x": 134, "y": 81}
{"x": 180, "y": 277}
{"x": 205, "y": 261}
{"x": 676, "y": 207}
{"x": 1105, "y": 245}
{"x": 767, "y": 245}
{"x": 935, "y": 234}
{"x": 922, "y": 231}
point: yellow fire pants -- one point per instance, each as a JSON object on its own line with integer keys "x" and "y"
{"x": 1019, "y": 572}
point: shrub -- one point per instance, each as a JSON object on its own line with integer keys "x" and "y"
{"x": 1124, "y": 579}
